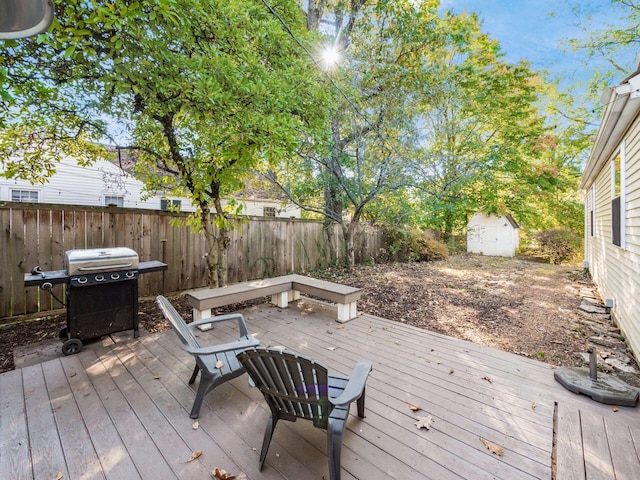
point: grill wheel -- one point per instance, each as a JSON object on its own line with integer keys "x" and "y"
{"x": 72, "y": 346}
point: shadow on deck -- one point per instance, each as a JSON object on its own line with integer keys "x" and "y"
{"x": 121, "y": 411}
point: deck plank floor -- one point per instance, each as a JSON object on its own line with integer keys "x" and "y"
{"x": 121, "y": 411}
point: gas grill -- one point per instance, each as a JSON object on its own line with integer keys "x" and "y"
{"x": 101, "y": 293}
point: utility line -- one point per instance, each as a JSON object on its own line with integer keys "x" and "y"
{"x": 297, "y": 40}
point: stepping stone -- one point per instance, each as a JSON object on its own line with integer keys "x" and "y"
{"x": 591, "y": 308}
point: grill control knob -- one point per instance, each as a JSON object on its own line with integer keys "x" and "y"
{"x": 131, "y": 274}
{"x": 99, "y": 278}
{"x": 82, "y": 280}
{"x": 115, "y": 276}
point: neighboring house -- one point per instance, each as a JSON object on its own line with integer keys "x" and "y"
{"x": 492, "y": 235}
{"x": 611, "y": 184}
{"x": 104, "y": 183}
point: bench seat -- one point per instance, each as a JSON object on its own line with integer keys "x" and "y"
{"x": 282, "y": 290}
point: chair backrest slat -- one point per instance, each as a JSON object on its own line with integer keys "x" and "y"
{"x": 177, "y": 322}
{"x": 292, "y": 384}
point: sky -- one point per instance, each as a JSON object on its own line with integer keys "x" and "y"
{"x": 534, "y": 30}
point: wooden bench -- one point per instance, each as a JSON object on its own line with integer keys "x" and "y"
{"x": 282, "y": 290}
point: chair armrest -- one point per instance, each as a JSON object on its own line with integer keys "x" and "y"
{"x": 243, "y": 343}
{"x": 355, "y": 386}
{"x": 242, "y": 326}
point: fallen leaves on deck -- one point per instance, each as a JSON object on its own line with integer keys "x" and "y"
{"x": 493, "y": 448}
{"x": 413, "y": 407}
{"x": 487, "y": 379}
{"x": 615, "y": 409}
{"x": 194, "y": 455}
{"x": 331, "y": 348}
{"x": 533, "y": 406}
{"x": 219, "y": 364}
{"x": 59, "y": 476}
{"x": 222, "y": 475}
{"x": 195, "y": 424}
{"x": 424, "y": 422}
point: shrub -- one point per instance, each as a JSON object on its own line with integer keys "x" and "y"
{"x": 561, "y": 244}
{"x": 426, "y": 249}
{"x": 411, "y": 245}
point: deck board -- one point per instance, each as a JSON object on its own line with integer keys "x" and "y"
{"x": 81, "y": 458}
{"x": 14, "y": 440}
{"x": 48, "y": 461}
{"x": 122, "y": 411}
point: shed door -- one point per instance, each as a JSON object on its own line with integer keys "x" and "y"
{"x": 490, "y": 241}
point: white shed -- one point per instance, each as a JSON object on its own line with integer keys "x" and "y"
{"x": 496, "y": 236}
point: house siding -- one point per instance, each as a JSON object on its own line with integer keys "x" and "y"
{"x": 73, "y": 184}
{"x": 615, "y": 270}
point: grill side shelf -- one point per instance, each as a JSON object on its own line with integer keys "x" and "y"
{"x": 54, "y": 277}
{"x": 151, "y": 266}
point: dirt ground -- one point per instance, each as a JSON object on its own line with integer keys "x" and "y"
{"x": 516, "y": 305}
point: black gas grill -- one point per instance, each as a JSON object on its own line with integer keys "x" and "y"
{"x": 102, "y": 292}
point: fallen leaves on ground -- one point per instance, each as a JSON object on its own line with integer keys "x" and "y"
{"x": 222, "y": 475}
{"x": 194, "y": 455}
{"x": 493, "y": 448}
{"x": 413, "y": 407}
{"x": 424, "y": 422}
{"x": 487, "y": 379}
{"x": 331, "y": 348}
{"x": 195, "y": 424}
{"x": 59, "y": 476}
{"x": 219, "y": 364}
{"x": 615, "y": 409}
{"x": 533, "y": 406}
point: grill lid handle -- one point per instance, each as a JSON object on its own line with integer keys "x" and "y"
{"x": 105, "y": 267}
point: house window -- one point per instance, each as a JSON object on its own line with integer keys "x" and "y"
{"x": 617, "y": 198}
{"x": 269, "y": 211}
{"x": 173, "y": 205}
{"x": 24, "y": 196}
{"x": 592, "y": 211}
{"x": 113, "y": 201}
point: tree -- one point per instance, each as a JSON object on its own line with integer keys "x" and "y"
{"x": 204, "y": 95}
{"x": 370, "y": 135}
{"x": 481, "y": 134}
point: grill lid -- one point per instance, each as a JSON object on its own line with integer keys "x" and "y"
{"x": 91, "y": 260}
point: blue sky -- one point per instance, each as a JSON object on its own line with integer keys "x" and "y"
{"x": 534, "y": 29}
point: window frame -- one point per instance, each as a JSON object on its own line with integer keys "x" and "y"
{"x": 266, "y": 212}
{"x": 170, "y": 205}
{"x": 118, "y": 204}
{"x": 618, "y": 197}
{"x": 593, "y": 210}
{"x": 22, "y": 191}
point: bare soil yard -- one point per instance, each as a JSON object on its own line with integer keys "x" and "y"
{"x": 517, "y": 305}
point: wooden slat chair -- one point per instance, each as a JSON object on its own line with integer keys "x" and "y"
{"x": 207, "y": 357}
{"x": 295, "y": 387}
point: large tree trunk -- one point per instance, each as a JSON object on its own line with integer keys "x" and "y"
{"x": 211, "y": 255}
{"x": 216, "y": 243}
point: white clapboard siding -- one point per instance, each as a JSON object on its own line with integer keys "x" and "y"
{"x": 615, "y": 270}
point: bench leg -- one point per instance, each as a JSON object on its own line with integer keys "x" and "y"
{"x": 199, "y": 315}
{"x": 280, "y": 299}
{"x": 347, "y": 311}
{"x": 293, "y": 295}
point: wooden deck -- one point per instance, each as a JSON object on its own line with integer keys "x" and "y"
{"x": 121, "y": 412}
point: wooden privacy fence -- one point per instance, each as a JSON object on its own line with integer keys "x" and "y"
{"x": 263, "y": 247}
